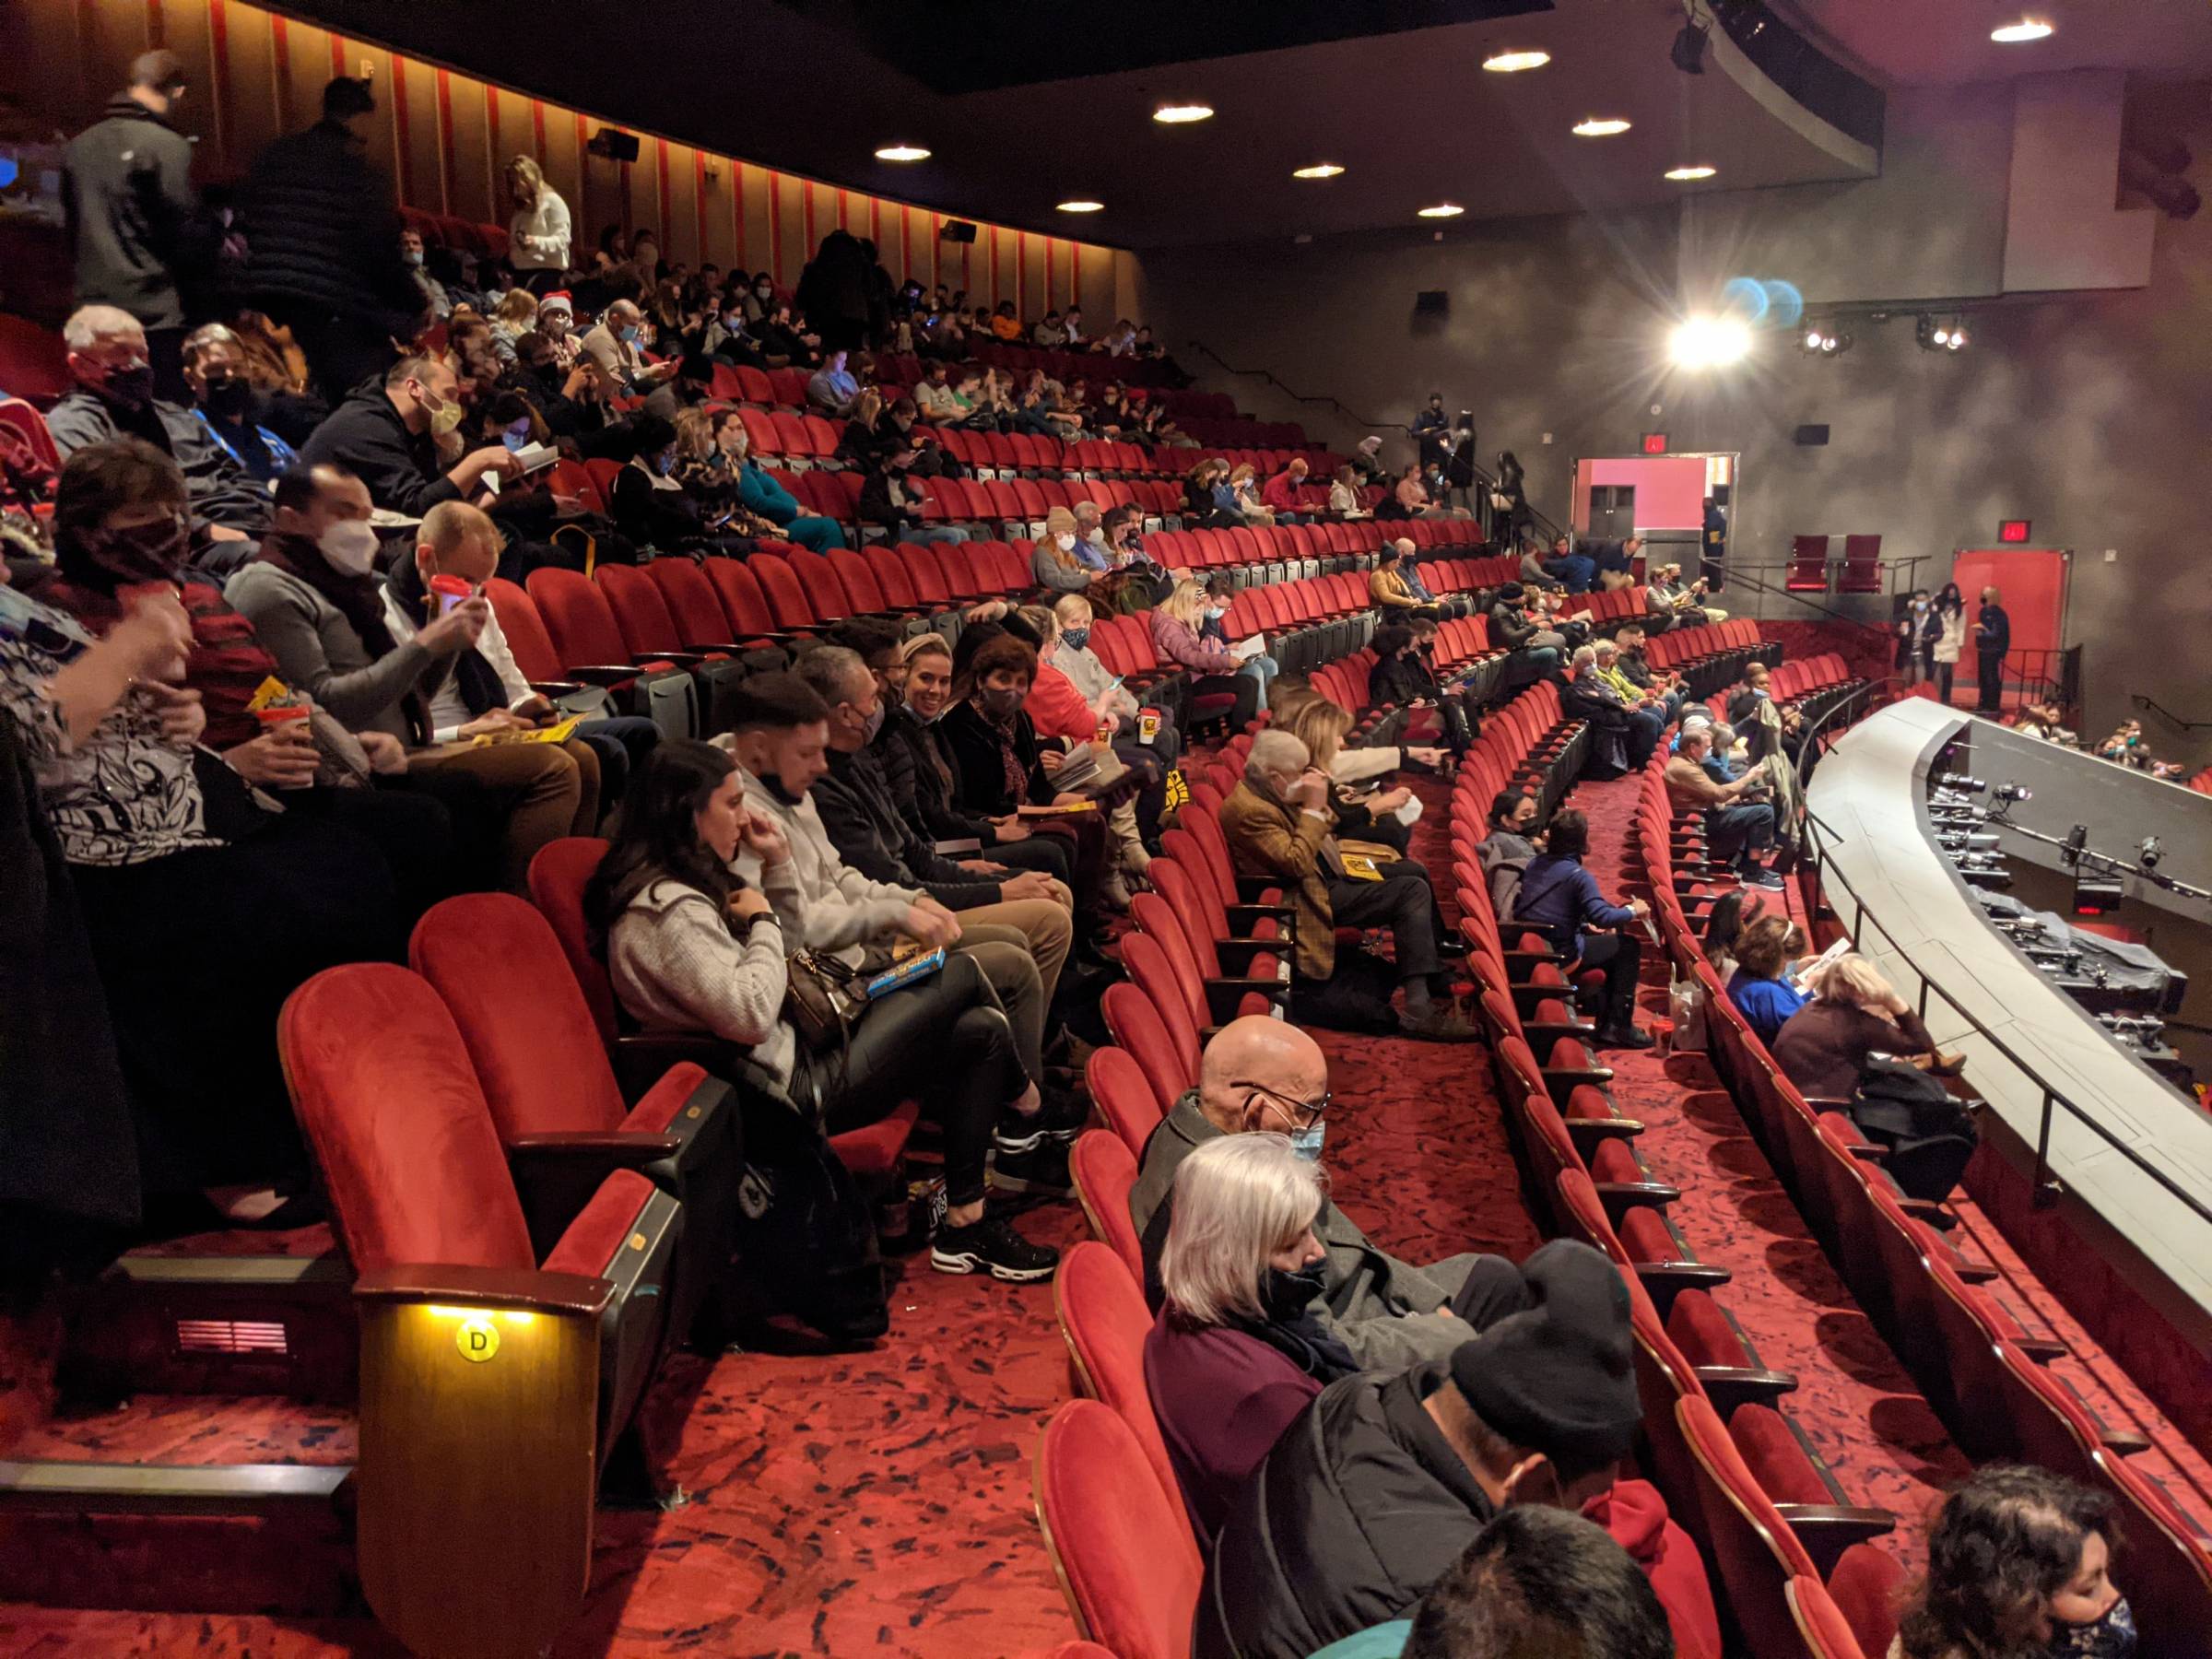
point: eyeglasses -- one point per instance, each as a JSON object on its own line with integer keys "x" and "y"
{"x": 1303, "y": 1114}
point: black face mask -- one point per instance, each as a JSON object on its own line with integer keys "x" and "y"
{"x": 154, "y": 552}
{"x": 1284, "y": 1296}
{"x": 227, "y": 398}
{"x": 774, "y": 785}
{"x": 133, "y": 388}
{"x": 1001, "y": 704}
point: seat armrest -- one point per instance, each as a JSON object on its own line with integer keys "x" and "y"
{"x": 1734, "y": 1385}
{"x": 1826, "y": 1530}
{"x": 1574, "y": 1077}
{"x": 616, "y": 1148}
{"x": 1260, "y": 913}
{"x": 556, "y": 689}
{"x": 1222, "y": 996}
{"x": 604, "y": 673}
{"x": 1618, "y": 1196}
{"x": 529, "y": 1289}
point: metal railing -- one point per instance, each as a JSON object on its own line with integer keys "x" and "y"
{"x": 2055, "y": 1100}
{"x": 2152, "y": 706}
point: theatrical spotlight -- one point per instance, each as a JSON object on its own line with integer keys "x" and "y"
{"x": 1688, "y": 50}
{"x": 2148, "y": 851}
{"x": 1932, "y": 335}
{"x": 1823, "y": 341}
{"x": 1709, "y": 343}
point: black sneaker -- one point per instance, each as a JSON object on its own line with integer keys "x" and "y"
{"x": 1064, "y": 1114}
{"x": 1766, "y": 881}
{"x": 1040, "y": 1168}
{"x": 990, "y": 1246}
{"x": 1440, "y": 1024}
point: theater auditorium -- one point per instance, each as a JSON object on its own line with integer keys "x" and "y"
{"x": 1105, "y": 832}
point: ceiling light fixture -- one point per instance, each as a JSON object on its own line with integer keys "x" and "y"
{"x": 1081, "y": 206}
{"x": 1685, "y": 174}
{"x": 2019, "y": 33}
{"x": 1930, "y": 334}
{"x": 1600, "y": 126}
{"x": 1182, "y": 114}
{"x": 1513, "y": 63}
{"x": 1821, "y": 342}
{"x": 1320, "y": 169}
{"x": 901, "y": 152}
{"x": 1442, "y": 210}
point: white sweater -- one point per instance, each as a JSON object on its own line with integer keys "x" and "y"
{"x": 825, "y": 904}
{"x": 537, "y": 238}
{"x": 676, "y": 967}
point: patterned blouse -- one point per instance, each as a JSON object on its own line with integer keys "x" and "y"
{"x": 122, "y": 796}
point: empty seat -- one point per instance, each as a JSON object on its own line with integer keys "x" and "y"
{"x": 1122, "y": 1550}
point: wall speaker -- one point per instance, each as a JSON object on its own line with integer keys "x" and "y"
{"x": 1431, "y": 302}
{"x": 614, "y": 145}
{"x": 956, "y": 230}
{"x": 1812, "y": 437}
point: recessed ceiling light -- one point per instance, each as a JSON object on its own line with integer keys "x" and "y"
{"x": 1177, "y": 115}
{"x": 1443, "y": 210}
{"x": 901, "y": 152}
{"x": 1320, "y": 169}
{"x": 1512, "y": 63}
{"x": 2027, "y": 29}
{"x": 1682, "y": 174}
{"x": 1082, "y": 207}
{"x": 1600, "y": 126}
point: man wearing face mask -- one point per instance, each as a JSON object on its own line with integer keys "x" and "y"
{"x": 386, "y": 435}
{"x": 612, "y": 343}
{"x": 313, "y": 595}
{"x": 434, "y": 296}
{"x": 224, "y": 401}
{"x": 1265, "y": 1074}
{"x": 114, "y": 398}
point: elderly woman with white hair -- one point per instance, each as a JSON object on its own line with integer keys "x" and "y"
{"x": 1854, "y": 1014}
{"x": 1236, "y": 1353}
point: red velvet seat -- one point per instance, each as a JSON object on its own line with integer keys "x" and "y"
{"x": 1865, "y": 1586}
{"x": 1105, "y": 1173}
{"x": 1122, "y": 1551}
{"x": 1169, "y": 1067}
{"x": 1826, "y": 1633}
{"x": 1748, "y": 1542}
{"x": 1103, "y": 1321}
{"x": 1119, "y": 1088}
{"x": 1211, "y": 999}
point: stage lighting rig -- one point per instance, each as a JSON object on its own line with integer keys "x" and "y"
{"x": 2069, "y": 850}
{"x": 1961, "y": 782}
{"x": 2149, "y": 852}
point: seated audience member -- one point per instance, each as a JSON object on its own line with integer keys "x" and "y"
{"x": 1540, "y": 1583}
{"x": 1266, "y": 1075}
{"x": 613, "y": 343}
{"x": 781, "y": 738}
{"x": 387, "y": 436}
{"x": 1346, "y": 500}
{"x": 1056, "y": 710}
{"x": 114, "y": 398}
{"x": 1362, "y": 814}
{"x": 1102, "y": 691}
{"x": 557, "y": 321}
{"x": 1410, "y": 498}
{"x": 891, "y": 500}
{"x": 1623, "y": 734}
{"x": 1352, "y": 767}
{"x": 1533, "y": 649}
{"x": 1654, "y": 712}
{"x": 1725, "y": 922}
{"x": 938, "y": 399}
{"x": 704, "y": 470}
{"x": 1736, "y": 830}
{"x": 1409, "y": 571}
{"x": 1399, "y": 676}
{"x": 1213, "y": 625}
{"x": 761, "y": 494}
{"x": 485, "y": 689}
{"x": 832, "y": 388}
{"x": 1510, "y": 848}
{"x": 645, "y": 500}
{"x": 2019, "y": 1562}
{"x": 1760, "y": 988}
{"x": 514, "y": 316}
{"x": 436, "y": 301}
{"x": 224, "y": 401}
{"x": 202, "y": 909}
{"x": 1174, "y": 623}
{"x": 1851, "y": 1014}
{"x": 1576, "y": 570}
{"x": 1386, "y": 584}
{"x": 1280, "y": 824}
{"x": 1049, "y": 335}
{"x": 1236, "y": 1350}
{"x": 701, "y": 902}
{"x": 1766, "y": 727}
{"x": 1244, "y": 491}
{"x": 920, "y": 768}
{"x": 1671, "y": 603}
{"x": 1635, "y": 665}
{"x": 1395, "y": 1475}
{"x": 313, "y": 596}
{"x": 1281, "y": 494}
{"x": 1559, "y": 899}
{"x": 2046, "y": 720}
{"x": 1062, "y": 562}
{"x": 1366, "y": 460}
{"x": 1004, "y": 324}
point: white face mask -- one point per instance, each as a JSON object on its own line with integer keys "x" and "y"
{"x": 1064, "y": 542}
{"x": 350, "y": 545}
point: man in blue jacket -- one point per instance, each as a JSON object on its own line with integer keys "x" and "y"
{"x": 1559, "y": 899}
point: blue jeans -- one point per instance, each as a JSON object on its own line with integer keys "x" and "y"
{"x": 921, "y": 535}
{"x": 1576, "y": 570}
{"x": 621, "y": 743}
{"x": 1262, "y": 669}
{"x": 1740, "y": 830}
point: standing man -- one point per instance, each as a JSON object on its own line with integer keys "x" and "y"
{"x": 126, "y": 187}
{"x": 324, "y": 257}
{"x": 1431, "y": 430}
{"x": 1993, "y": 639}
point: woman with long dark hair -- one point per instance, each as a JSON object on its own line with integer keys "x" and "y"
{"x": 691, "y": 947}
{"x": 1948, "y": 638}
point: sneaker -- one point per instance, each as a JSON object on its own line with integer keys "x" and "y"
{"x": 1042, "y": 1168}
{"x": 990, "y": 1246}
{"x": 1764, "y": 879}
{"x": 1064, "y": 1114}
{"x": 1440, "y": 1024}
{"x": 1632, "y": 1038}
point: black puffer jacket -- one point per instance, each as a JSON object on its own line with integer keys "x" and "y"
{"x": 325, "y": 233}
{"x": 1360, "y": 1508}
{"x": 126, "y": 187}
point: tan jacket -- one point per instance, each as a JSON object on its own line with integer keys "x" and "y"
{"x": 1267, "y": 838}
{"x": 1388, "y": 588}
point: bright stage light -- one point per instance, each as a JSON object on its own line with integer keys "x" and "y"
{"x": 1708, "y": 343}
{"x": 2018, "y": 33}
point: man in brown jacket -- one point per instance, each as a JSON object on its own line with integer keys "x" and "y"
{"x": 1734, "y": 828}
{"x": 1278, "y": 824}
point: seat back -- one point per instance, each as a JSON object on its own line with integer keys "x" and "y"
{"x": 738, "y": 590}
{"x": 389, "y": 1105}
{"x": 558, "y": 874}
{"x": 1104, "y": 1321}
{"x": 1105, "y": 1174}
{"x": 1144, "y": 1037}
{"x": 1121, "y": 1091}
{"x": 1125, "y": 1556}
{"x": 1153, "y": 972}
{"x": 1864, "y": 1586}
{"x": 638, "y": 610}
{"x": 500, "y": 969}
{"x": 1752, "y": 1547}
{"x": 577, "y": 616}
{"x": 691, "y": 603}
{"x": 524, "y": 629}
{"x": 1821, "y": 1626}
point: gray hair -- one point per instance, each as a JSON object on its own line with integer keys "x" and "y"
{"x": 831, "y": 673}
{"x": 1238, "y": 1199}
{"x": 1275, "y": 751}
{"x": 1583, "y": 656}
{"x": 1092, "y": 508}
{"x": 1724, "y": 736}
{"x": 1605, "y": 647}
{"x": 1851, "y": 979}
{"x": 89, "y": 325}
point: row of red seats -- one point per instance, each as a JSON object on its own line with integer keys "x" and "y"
{"x": 1982, "y": 1370}
{"x": 1715, "y": 1443}
{"x": 451, "y": 230}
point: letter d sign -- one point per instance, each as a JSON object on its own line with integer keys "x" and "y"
{"x": 478, "y": 1339}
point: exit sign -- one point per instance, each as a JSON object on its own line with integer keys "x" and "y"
{"x": 1654, "y": 443}
{"x": 2012, "y": 530}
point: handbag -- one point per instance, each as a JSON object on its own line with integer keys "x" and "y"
{"x": 821, "y": 997}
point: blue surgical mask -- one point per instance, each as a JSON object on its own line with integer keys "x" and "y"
{"x": 1076, "y": 638}
{"x": 1306, "y": 1143}
{"x": 628, "y": 332}
{"x": 515, "y": 437}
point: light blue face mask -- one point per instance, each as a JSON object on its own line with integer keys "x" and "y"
{"x": 1306, "y": 1143}
{"x": 629, "y": 331}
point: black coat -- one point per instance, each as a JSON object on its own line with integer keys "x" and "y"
{"x": 323, "y": 233}
{"x": 366, "y": 435}
{"x": 910, "y": 755}
{"x": 219, "y": 491}
{"x": 854, "y": 800}
{"x": 1400, "y": 679}
{"x": 979, "y": 770}
{"x": 1993, "y": 630}
{"x": 1509, "y": 629}
{"x": 126, "y": 188}
{"x": 1360, "y": 1508}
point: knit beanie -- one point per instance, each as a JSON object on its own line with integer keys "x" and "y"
{"x": 1059, "y": 521}
{"x": 1560, "y": 1377}
{"x": 1510, "y": 592}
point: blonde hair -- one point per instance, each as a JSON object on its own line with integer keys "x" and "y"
{"x": 1040, "y": 619}
{"x": 1239, "y": 1199}
{"x": 1185, "y": 603}
{"x": 1244, "y": 472}
{"x": 518, "y": 309}
{"x": 1320, "y": 724}
{"x": 1071, "y": 610}
{"x": 1850, "y": 979}
{"x": 924, "y": 644}
{"x": 695, "y": 432}
{"x": 449, "y": 524}
{"x": 525, "y": 181}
